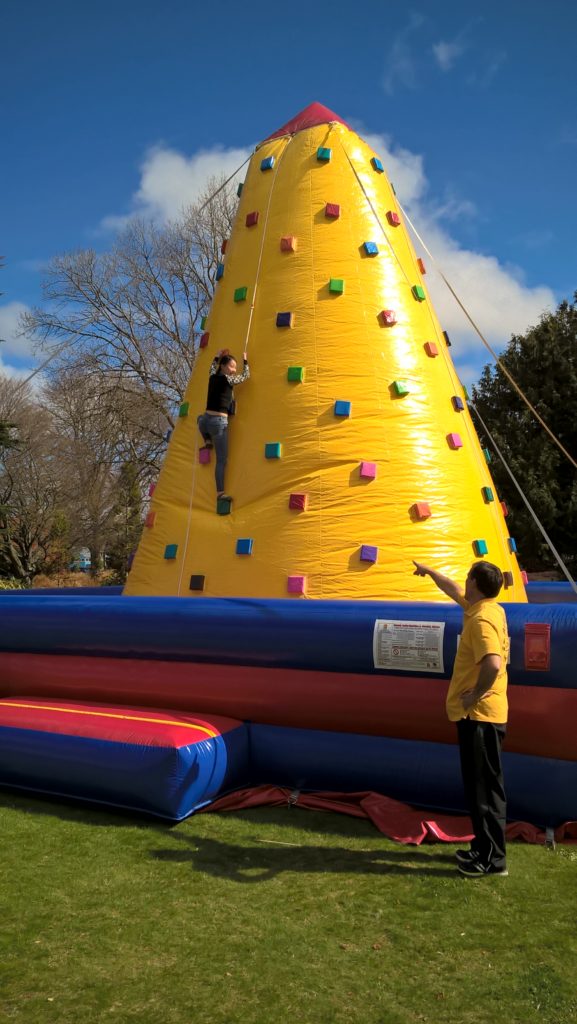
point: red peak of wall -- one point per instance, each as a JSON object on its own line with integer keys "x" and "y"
{"x": 311, "y": 116}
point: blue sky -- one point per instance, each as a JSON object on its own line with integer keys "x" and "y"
{"x": 123, "y": 107}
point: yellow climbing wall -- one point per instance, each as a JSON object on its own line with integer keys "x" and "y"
{"x": 357, "y": 396}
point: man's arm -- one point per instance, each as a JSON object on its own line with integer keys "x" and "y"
{"x": 488, "y": 673}
{"x": 448, "y": 586}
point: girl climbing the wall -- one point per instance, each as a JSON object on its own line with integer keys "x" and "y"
{"x": 213, "y": 424}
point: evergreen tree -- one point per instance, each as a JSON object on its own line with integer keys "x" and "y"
{"x": 543, "y": 362}
{"x": 127, "y": 521}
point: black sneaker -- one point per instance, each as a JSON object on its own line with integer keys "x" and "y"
{"x": 465, "y": 856}
{"x": 476, "y": 869}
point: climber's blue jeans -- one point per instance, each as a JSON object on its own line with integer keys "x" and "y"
{"x": 215, "y": 429}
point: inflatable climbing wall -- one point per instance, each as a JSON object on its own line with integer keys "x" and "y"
{"x": 352, "y": 451}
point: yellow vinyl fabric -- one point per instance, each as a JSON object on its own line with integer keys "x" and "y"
{"x": 402, "y": 415}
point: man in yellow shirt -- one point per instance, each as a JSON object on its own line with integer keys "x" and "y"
{"x": 477, "y": 702}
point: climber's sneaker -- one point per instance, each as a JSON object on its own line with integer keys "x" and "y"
{"x": 476, "y": 869}
{"x": 465, "y": 856}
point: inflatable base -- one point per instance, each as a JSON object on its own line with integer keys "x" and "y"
{"x": 160, "y": 762}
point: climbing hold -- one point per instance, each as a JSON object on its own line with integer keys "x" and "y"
{"x": 480, "y": 547}
{"x": 524, "y": 577}
{"x": 296, "y": 584}
{"x": 288, "y": 243}
{"x": 151, "y": 490}
{"x": 368, "y": 470}
{"x": 393, "y": 218}
{"x": 332, "y": 210}
{"x": 400, "y": 388}
{"x": 418, "y": 292}
{"x": 388, "y": 317}
{"x": 273, "y": 450}
{"x": 487, "y": 493}
{"x": 342, "y": 408}
{"x": 183, "y": 411}
{"x": 371, "y": 248}
{"x": 244, "y": 546}
{"x": 295, "y": 374}
{"x": 377, "y": 165}
{"x": 203, "y": 321}
{"x": 369, "y": 553}
{"x": 512, "y": 544}
{"x": 446, "y": 337}
{"x": 336, "y": 286}
{"x": 420, "y": 510}
{"x": 251, "y": 219}
{"x": 421, "y": 265}
{"x": 170, "y": 550}
{"x": 267, "y": 164}
{"x": 240, "y": 294}
{"x": 204, "y": 456}
{"x": 149, "y": 521}
{"x": 239, "y": 189}
{"x": 223, "y": 246}
{"x": 324, "y": 154}
{"x": 507, "y": 579}
{"x": 458, "y": 404}
{"x": 431, "y": 349}
{"x": 298, "y": 501}
{"x": 487, "y": 454}
{"x": 284, "y": 319}
{"x": 197, "y": 582}
{"x": 504, "y": 508}
{"x": 454, "y": 441}
{"x": 204, "y": 339}
{"x": 219, "y": 271}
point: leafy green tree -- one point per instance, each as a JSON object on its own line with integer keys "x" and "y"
{"x": 543, "y": 362}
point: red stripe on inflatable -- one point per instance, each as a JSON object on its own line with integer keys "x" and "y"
{"x": 150, "y": 727}
{"x": 541, "y": 720}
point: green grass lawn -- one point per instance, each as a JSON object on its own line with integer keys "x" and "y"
{"x": 272, "y": 915}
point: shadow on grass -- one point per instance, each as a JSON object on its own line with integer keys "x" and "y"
{"x": 322, "y": 822}
{"x": 263, "y": 862}
{"x": 82, "y": 812}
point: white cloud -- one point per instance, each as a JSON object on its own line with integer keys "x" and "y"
{"x": 483, "y": 77}
{"x": 170, "y": 181}
{"x": 16, "y": 372}
{"x": 401, "y": 65}
{"x": 12, "y": 343}
{"x": 447, "y": 53}
{"x": 495, "y": 295}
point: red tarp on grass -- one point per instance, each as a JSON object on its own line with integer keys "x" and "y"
{"x": 397, "y": 821}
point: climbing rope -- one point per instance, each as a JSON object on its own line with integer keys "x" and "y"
{"x": 494, "y": 355}
{"x": 548, "y": 540}
{"x": 224, "y": 184}
{"x": 289, "y": 139}
{"x": 245, "y": 348}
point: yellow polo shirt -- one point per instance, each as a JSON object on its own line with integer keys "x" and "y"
{"x": 484, "y": 632}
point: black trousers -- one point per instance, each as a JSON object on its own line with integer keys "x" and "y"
{"x": 480, "y": 748}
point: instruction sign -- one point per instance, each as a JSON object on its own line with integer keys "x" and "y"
{"x": 408, "y": 646}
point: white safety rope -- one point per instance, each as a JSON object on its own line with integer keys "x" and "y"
{"x": 289, "y": 139}
{"x": 494, "y": 355}
{"x": 548, "y": 540}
